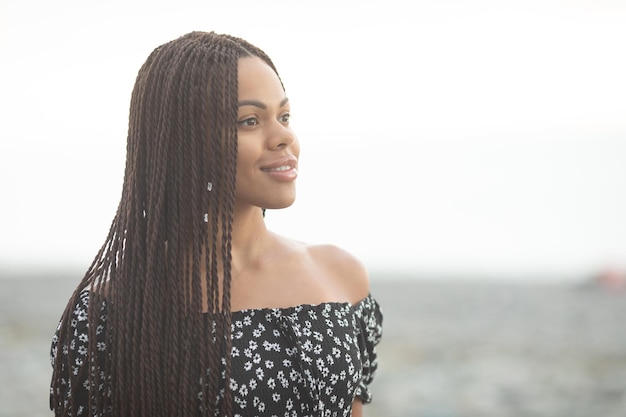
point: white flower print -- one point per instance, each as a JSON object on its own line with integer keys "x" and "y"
{"x": 260, "y": 329}
{"x": 81, "y": 314}
{"x": 271, "y": 383}
{"x": 307, "y": 345}
{"x": 306, "y": 358}
{"x": 294, "y": 375}
{"x": 303, "y": 361}
{"x": 284, "y": 381}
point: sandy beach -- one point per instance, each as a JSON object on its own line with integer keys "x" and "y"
{"x": 450, "y": 348}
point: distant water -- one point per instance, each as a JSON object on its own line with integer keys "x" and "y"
{"x": 450, "y": 348}
{"x": 376, "y": 274}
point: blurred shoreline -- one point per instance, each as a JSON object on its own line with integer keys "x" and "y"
{"x": 451, "y": 348}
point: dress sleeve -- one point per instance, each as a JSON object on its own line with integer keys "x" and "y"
{"x": 370, "y": 320}
{"x": 71, "y": 351}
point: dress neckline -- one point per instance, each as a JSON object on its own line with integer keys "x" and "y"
{"x": 283, "y": 310}
{"x": 308, "y": 306}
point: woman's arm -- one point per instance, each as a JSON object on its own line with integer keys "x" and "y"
{"x": 357, "y": 408}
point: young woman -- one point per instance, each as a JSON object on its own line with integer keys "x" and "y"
{"x": 193, "y": 307}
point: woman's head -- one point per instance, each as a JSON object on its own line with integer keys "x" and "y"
{"x": 183, "y": 130}
{"x": 161, "y": 263}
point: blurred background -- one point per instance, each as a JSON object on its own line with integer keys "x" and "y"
{"x": 469, "y": 152}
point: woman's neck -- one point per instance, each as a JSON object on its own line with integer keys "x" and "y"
{"x": 249, "y": 237}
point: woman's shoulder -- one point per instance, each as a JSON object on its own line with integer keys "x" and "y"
{"x": 344, "y": 269}
{"x": 335, "y": 257}
{"x": 341, "y": 271}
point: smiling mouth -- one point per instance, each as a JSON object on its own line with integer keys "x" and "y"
{"x": 278, "y": 169}
{"x": 284, "y": 169}
{"x": 284, "y": 164}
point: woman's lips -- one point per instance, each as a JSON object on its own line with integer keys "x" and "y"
{"x": 283, "y": 169}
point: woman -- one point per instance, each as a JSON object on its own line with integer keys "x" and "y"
{"x": 192, "y": 306}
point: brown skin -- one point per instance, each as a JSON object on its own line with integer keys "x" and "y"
{"x": 270, "y": 270}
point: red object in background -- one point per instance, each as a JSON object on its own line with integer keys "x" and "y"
{"x": 612, "y": 279}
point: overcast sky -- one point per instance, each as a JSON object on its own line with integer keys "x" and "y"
{"x": 443, "y": 137}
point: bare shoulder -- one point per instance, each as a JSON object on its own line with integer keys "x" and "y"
{"x": 345, "y": 271}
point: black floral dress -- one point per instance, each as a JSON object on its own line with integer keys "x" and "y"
{"x": 307, "y": 360}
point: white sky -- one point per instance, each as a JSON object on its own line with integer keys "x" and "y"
{"x": 450, "y": 137}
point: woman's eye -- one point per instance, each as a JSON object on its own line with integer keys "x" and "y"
{"x": 285, "y": 118}
{"x": 250, "y": 121}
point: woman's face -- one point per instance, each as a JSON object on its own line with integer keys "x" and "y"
{"x": 268, "y": 150}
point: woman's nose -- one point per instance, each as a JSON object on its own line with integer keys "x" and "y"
{"x": 280, "y": 136}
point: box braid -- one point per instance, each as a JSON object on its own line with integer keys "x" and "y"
{"x": 165, "y": 358}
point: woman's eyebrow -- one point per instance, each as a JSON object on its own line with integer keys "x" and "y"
{"x": 259, "y": 104}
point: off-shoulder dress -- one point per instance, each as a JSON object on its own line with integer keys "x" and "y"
{"x": 306, "y": 360}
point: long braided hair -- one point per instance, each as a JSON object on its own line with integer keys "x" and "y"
{"x": 167, "y": 257}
